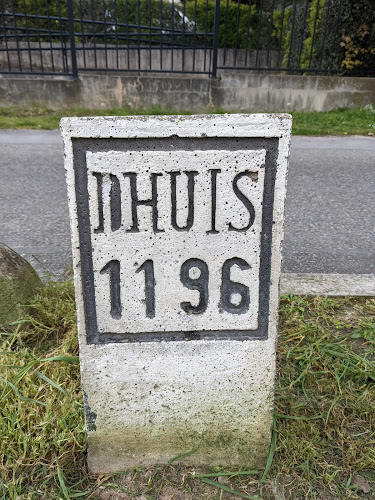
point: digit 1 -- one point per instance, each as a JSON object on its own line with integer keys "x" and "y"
{"x": 113, "y": 269}
{"x": 200, "y": 284}
{"x": 228, "y": 288}
{"x": 148, "y": 268}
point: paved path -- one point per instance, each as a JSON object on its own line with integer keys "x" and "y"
{"x": 330, "y": 207}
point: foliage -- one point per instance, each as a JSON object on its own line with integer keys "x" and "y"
{"x": 344, "y": 40}
{"x": 238, "y": 24}
{"x": 356, "y": 36}
{"x": 315, "y": 34}
{"x": 331, "y": 35}
{"x": 241, "y": 26}
{"x": 238, "y": 28}
{"x": 106, "y": 19}
{"x": 146, "y": 13}
{"x": 281, "y": 22}
{"x": 358, "y": 51}
{"x": 294, "y": 37}
{"x": 40, "y": 11}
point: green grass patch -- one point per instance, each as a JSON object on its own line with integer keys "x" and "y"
{"x": 337, "y": 122}
{"x": 323, "y": 443}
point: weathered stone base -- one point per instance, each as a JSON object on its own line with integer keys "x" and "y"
{"x": 210, "y": 400}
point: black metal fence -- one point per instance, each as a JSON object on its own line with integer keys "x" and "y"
{"x": 187, "y": 36}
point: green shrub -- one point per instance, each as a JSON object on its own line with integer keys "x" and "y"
{"x": 355, "y": 44}
{"x": 288, "y": 22}
{"x": 157, "y": 13}
{"x": 334, "y": 35}
{"x": 315, "y": 33}
{"x": 237, "y": 28}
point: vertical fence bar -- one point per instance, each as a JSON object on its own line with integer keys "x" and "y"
{"x": 183, "y": 37}
{"x": 6, "y": 40}
{"x": 139, "y": 34}
{"x": 73, "y": 53}
{"x": 215, "y": 41}
{"x": 50, "y": 37}
{"x": 28, "y": 36}
{"x": 172, "y": 35}
{"x": 194, "y": 32}
{"x": 127, "y": 31}
{"x": 237, "y": 30}
{"x": 116, "y": 28}
{"x": 63, "y": 52}
{"x": 82, "y": 33}
{"x": 39, "y": 35}
{"x": 333, "y": 48}
{"x": 292, "y": 35}
{"x": 248, "y": 32}
{"x": 93, "y": 32}
{"x": 327, "y": 7}
{"x": 225, "y": 33}
{"x": 269, "y": 34}
{"x": 105, "y": 33}
{"x": 303, "y": 34}
{"x": 161, "y": 35}
{"x": 16, "y": 35}
{"x": 150, "y": 33}
{"x": 259, "y": 30}
{"x": 313, "y": 34}
{"x": 205, "y": 38}
{"x": 281, "y": 36}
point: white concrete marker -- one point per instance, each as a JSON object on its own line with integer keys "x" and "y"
{"x": 177, "y": 224}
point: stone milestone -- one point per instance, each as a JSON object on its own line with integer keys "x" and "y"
{"x": 177, "y": 224}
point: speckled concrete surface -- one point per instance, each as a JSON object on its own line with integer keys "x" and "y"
{"x": 148, "y": 401}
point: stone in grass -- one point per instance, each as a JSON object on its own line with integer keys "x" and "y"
{"x": 18, "y": 284}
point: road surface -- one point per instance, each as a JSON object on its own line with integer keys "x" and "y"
{"x": 330, "y": 208}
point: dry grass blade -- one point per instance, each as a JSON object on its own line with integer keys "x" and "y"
{"x": 230, "y": 474}
{"x": 226, "y": 488}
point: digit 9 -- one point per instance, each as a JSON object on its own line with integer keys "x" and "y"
{"x": 200, "y": 283}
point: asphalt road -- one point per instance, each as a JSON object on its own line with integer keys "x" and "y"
{"x": 330, "y": 209}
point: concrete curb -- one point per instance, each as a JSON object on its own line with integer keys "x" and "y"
{"x": 328, "y": 284}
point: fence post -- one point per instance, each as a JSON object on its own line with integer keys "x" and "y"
{"x": 72, "y": 39}
{"x": 215, "y": 41}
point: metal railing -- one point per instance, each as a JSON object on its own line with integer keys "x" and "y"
{"x": 188, "y": 36}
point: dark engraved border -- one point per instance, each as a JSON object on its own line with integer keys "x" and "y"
{"x": 82, "y": 146}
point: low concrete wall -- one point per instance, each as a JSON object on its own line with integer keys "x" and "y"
{"x": 231, "y": 92}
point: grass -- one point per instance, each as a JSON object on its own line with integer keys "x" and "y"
{"x": 338, "y": 122}
{"x": 323, "y": 444}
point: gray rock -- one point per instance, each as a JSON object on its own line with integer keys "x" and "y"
{"x": 18, "y": 284}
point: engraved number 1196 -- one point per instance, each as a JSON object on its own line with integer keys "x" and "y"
{"x": 194, "y": 275}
